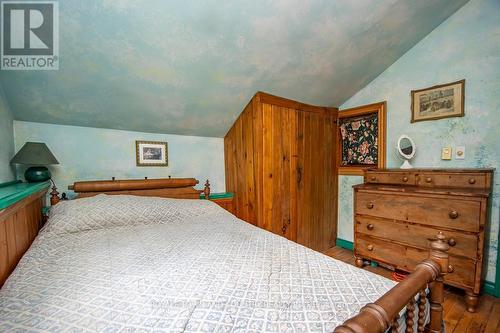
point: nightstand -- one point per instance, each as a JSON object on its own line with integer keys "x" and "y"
{"x": 225, "y": 200}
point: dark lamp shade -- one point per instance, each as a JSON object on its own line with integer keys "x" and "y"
{"x": 34, "y": 153}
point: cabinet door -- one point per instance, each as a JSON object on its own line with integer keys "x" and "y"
{"x": 279, "y": 151}
{"x": 316, "y": 179}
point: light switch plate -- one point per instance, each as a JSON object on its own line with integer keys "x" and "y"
{"x": 446, "y": 153}
{"x": 460, "y": 153}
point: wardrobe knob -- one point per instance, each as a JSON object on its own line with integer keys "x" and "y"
{"x": 369, "y": 205}
{"x": 405, "y": 179}
{"x": 428, "y": 179}
{"x": 453, "y": 214}
{"x": 452, "y": 242}
{"x": 370, "y": 247}
{"x": 472, "y": 181}
{"x": 373, "y": 178}
{"x": 370, "y": 226}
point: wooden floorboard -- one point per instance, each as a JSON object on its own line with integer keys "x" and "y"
{"x": 457, "y": 319}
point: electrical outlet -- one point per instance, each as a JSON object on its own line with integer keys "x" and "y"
{"x": 446, "y": 153}
{"x": 460, "y": 153}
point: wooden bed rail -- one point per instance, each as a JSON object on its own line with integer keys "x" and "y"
{"x": 383, "y": 314}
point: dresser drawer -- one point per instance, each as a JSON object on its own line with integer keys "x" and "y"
{"x": 407, "y": 257}
{"x": 448, "y": 213}
{"x": 458, "y": 180}
{"x": 418, "y": 236}
{"x": 400, "y": 178}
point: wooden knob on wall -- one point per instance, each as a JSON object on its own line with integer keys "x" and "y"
{"x": 452, "y": 242}
{"x": 472, "y": 181}
{"x": 369, "y": 205}
{"x": 370, "y": 226}
{"x": 370, "y": 247}
{"x": 453, "y": 214}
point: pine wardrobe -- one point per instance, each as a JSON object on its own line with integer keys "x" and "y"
{"x": 280, "y": 165}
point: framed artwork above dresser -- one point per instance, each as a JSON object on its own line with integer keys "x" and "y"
{"x": 397, "y": 213}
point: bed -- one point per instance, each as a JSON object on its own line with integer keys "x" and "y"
{"x": 130, "y": 263}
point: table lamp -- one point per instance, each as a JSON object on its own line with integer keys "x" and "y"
{"x": 38, "y": 155}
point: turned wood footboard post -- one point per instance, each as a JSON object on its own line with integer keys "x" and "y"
{"x": 438, "y": 254}
{"x": 377, "y": 317}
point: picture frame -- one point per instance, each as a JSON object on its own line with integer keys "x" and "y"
{"x": 438, "y": 102}
{"x": 151, "y": 153}
{"x": 371, "y": 112}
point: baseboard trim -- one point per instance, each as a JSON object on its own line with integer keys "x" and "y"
{"x": 489, "y": 288}
{"x": 344, "y": 244}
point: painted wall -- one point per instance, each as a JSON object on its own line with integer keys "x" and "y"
{"x": 467, "y": 45}
{"x": 91, "y": 153}
{"x": 6, "y": 139}
{"x": 190, "y": 67}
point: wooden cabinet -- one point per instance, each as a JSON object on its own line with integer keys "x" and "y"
{"x": 396, "y": 212}
{"x": 280, "y": 165}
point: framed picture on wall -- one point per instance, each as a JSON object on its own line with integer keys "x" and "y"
{"x": 437, "y": 102}
{"x": 361, "y": 141}
{"x": 151, "y": 153}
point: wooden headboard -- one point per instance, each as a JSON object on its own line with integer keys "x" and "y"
{"x": 180, "y": 188}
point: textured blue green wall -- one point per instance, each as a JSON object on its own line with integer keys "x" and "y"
{"x": 6, "y": 140}
{"x": 86, "y": 153}
{"x": 467, "y": 45}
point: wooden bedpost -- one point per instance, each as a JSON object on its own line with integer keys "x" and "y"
{"x": 206, "y": 191}
{"x": 438, "y": 254}
{"x": 54, "y": 195}
{"x": 379, "y": 316}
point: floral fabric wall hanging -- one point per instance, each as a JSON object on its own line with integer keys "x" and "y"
{"x": 359, "y": 140}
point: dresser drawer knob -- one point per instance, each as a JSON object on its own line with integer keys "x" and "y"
{"x": 428, "y": 179}
{"x": 452, "y": 242}
{"x": 373, "y": 178}
{"x": 451, "y": 269}
{"x": 370, "y": 226}
{"x": 369, "y": 205}
{"x": 453, "y": 214}
{"x": 370, "y": 247}
{"x": 472, "y": 181}
{"x": 405, "y": 179}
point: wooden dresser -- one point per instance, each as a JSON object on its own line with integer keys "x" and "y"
{"x": 397, "y": 211}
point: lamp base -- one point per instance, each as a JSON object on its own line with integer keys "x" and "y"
{"x": 37, "y": 174}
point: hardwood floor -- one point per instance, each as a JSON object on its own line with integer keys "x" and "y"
{"x": 457, "y": 319}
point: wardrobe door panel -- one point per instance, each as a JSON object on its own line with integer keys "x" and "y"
{"x": 316, "y": 179}
{"x": 279, "y": 170}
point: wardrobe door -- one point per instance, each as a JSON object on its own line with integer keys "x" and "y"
{"x": 316, "y": 179}
{"x": 279, "y": 151}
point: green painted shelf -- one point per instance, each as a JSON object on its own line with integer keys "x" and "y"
{"x": 223, "y": 195}
{"x": 15, "y": 191}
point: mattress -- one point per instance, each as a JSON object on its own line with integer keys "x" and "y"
{"x": 133, "y": 264}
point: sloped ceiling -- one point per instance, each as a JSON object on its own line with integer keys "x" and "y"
{"x": 189, "y": 67}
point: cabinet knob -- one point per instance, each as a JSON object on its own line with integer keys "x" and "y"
{"x": 369, "y": 205}
{"x": 370, "y": 226}
{"x": 370, "y": 247}
{"x": 373, "y": 178}
{"x": 453, "y": 214}
{"x": 472, "y": 181}
{"x": 451, "y": 269}
{"x": 405, "y": 179}
{"x": 452, "y": 242}
{"x": 428, "y": 179}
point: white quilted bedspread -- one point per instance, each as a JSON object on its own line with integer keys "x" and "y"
{"x": 131, "y": 264}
